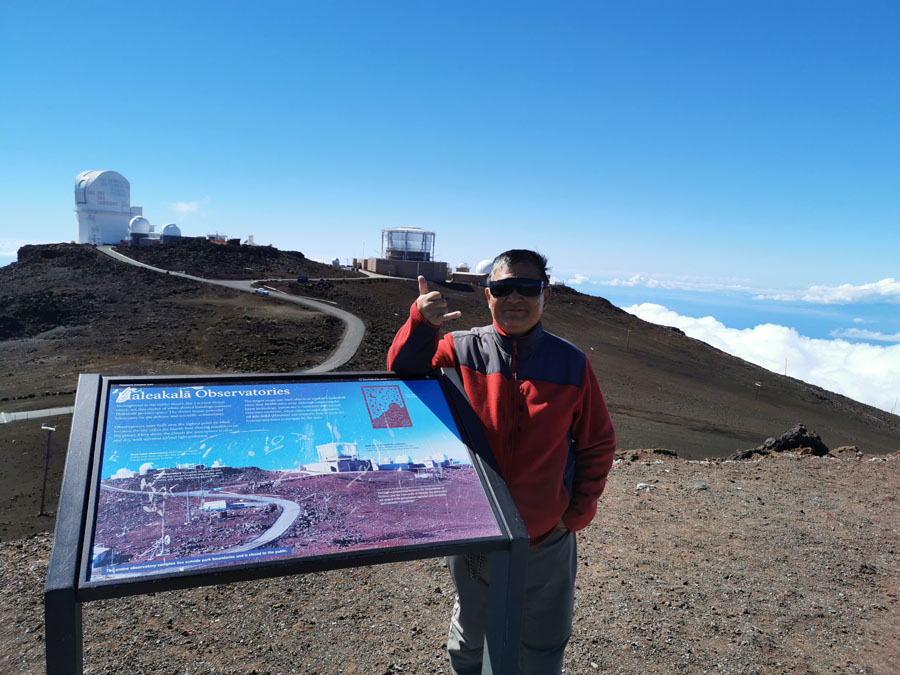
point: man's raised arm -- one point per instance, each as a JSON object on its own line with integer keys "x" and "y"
{"x": 415, "y": 349}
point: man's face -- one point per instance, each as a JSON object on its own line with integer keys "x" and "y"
{"x": 516, "y": 314}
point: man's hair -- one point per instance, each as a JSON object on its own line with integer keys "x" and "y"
{"x": 518, "y": 256}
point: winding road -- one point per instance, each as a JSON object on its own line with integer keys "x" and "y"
{"x": 350, "y": 341}
{"x": 354, "y": 327}
{"x": 289, "y": 512}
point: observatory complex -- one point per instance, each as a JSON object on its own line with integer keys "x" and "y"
{"x": 407, "y": 252}
{"x": 106, "y": 216}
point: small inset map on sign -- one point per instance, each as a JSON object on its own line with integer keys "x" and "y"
{"x": 386, "y": 407}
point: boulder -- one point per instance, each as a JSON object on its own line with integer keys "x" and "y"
{"x": 799, "y": 437}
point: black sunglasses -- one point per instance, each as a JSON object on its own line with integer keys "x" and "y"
{"x": 528, "y": 288}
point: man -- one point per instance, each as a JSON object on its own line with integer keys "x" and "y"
{"x": 547, "y": 425}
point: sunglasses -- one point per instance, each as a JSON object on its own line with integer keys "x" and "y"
{"x": 528, "y": 288}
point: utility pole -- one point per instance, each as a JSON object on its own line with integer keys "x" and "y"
{"x": 50, "y": 431}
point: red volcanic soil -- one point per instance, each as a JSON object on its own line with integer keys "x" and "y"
{"x": 341, "y": 512}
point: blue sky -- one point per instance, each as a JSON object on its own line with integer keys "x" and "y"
{"x": 746, "y": 148}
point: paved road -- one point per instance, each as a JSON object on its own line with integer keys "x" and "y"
{"x": 34, "y": 414}
{"x": 350, "y": 341}
{"x": 289, "y": 512}
{"x": 354, "y": 330}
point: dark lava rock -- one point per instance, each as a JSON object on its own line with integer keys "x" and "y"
{"x": 799, "y": 437}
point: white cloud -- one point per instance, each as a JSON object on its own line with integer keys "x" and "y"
{"x": 861, "y": 334}
{"x": 185, "y": 208}
{"x": 864, "y": 372}
{"x": 886, "y": 289}
{"x": 856, "y": 319}
{"x": 123, "y": 473}
{"x": 636, "y": 280}
{"x": 577, "y": 279}
{"x": 699, "y": 285}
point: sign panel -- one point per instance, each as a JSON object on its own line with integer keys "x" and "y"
{"x": 215, "y": 474}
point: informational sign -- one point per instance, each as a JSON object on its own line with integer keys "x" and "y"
{"x": 215, "y": 474}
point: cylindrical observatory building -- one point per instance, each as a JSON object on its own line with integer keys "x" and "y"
{"x": 103, "y": 205}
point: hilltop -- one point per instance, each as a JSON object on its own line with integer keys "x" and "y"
{"x": 786, "y": 563}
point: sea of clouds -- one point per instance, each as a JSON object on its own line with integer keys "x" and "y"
{"x": 848, "y": 363}
{"x": 864, "y": 372}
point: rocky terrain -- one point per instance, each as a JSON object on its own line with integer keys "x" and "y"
{"x": 199, "y": 257}
{"x": 338, "y": 513}
{"x": 783, "y": 565}
{"x": 784, "y": 562}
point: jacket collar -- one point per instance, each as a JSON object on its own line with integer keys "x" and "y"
{"x": 522, "y": 345}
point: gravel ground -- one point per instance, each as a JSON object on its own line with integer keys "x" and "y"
{"x": 785, "y": 564}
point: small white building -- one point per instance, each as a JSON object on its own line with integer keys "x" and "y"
{"x": 337, "y": 458}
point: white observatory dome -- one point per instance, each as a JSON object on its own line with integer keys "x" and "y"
{"x": 483, "y": 267}
{"x": 462, "y": 267}
{"x": 103, "y": 205}
{"x": 169, "y": 233}
{"x": 139, "y": 225}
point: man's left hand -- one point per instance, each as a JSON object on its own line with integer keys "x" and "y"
{"x": 561, "y": 526}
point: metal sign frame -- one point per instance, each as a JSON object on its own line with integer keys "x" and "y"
{"x": 69, "y": 585}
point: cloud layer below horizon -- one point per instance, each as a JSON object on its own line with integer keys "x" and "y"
{"x": 864, "y": 372}
{"x": 887, "y": 289}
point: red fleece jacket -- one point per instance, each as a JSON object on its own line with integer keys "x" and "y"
{"x": 540, "y": 407}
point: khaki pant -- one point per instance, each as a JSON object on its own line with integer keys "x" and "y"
{"x": 547, "y": 615}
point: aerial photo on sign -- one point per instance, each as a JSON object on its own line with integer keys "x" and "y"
{"x": 216, "y": 474}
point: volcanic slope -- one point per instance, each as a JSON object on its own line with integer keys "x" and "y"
{"x": 67, "y": 309}
{"x": 663, "y": 389}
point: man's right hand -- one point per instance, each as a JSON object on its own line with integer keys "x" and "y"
{"x": 432, "y": 306}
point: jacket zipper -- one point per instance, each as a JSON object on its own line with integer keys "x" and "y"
{"x": 515, "y": 358}
{"x": 514, "y": 399}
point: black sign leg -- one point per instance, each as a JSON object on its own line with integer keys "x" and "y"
{"x": 504, "y": 615}
{"x": 62, "y": 621}
{"x": 62, "y": 611}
